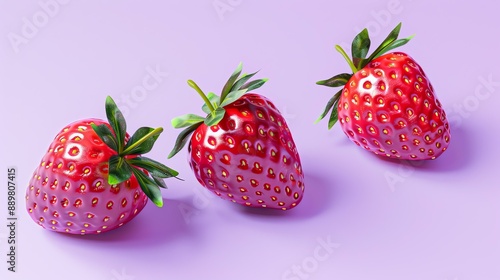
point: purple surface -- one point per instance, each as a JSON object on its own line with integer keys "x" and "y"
{"x": 439, "y": 220}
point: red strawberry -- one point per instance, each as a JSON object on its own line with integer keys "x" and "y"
{"x": 92, "y": 178}
{"x": 243, "y": 150}
{"x": 388, "y": 106}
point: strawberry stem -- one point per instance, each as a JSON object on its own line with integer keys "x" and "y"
{"x": 192, "y": 84}
{"x": 346, "y": 57}
{"x": 156, "y": 131}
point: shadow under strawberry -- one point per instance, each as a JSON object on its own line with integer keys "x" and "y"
{"x": 154, "y": 227}
{"x": 319, "y": 199}
{"x": 459, "y": 155}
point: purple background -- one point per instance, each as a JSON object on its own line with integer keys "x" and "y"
{"x": 439, "y": 221}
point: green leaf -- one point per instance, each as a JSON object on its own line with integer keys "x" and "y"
{"x": 215, "y": 117}
{"x": 334, "y": 116}
{"x": 336, "y": 81}
{"x": 395, "y": 44}
{"x": 241, "y": 81}
{"x": 233, "y": 96}
{"x": 149, "y": 187}
{"x": 154, "y": 167}
{"x": 106, "y": 135}
{"x": 229, "y": 84}
{"x": 186, "y": 120}
{"x": 214, "y": 99}
{"x": 360, "y": 45}
{"x": 392, "y": 36}
{"x": 140, "y": 143}
{"x": 182, "y": 139}
{"x": 388, "y": 40}
{"x": 254, "y": 84}
{"x": 331, "y": 103}
{"x": 159, "y": 181}
{"x": 119, "y": 170}
{"x": 117, "y": 122}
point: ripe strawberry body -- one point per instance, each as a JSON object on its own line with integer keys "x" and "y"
{"x": 249, "y": 157}
{"x": 387, "y": 105}
{"x": 389, "y": 108}
{"x": 69, "y": 191}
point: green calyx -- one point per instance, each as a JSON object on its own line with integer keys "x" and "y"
{"x": 359, "y": 50}
{"x": 127, "y": 161}
{"x": 236, "y": 86}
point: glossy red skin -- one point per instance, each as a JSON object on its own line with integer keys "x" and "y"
{"x": 250, "y": 157}
{"x": 69, "y": 191}
{"x": 389, "y": 108}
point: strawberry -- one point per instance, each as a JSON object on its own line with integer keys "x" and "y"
{"x": 243, "y": 150}
{"x": 93, "y": 178}
{"x": 388, "y": 105}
